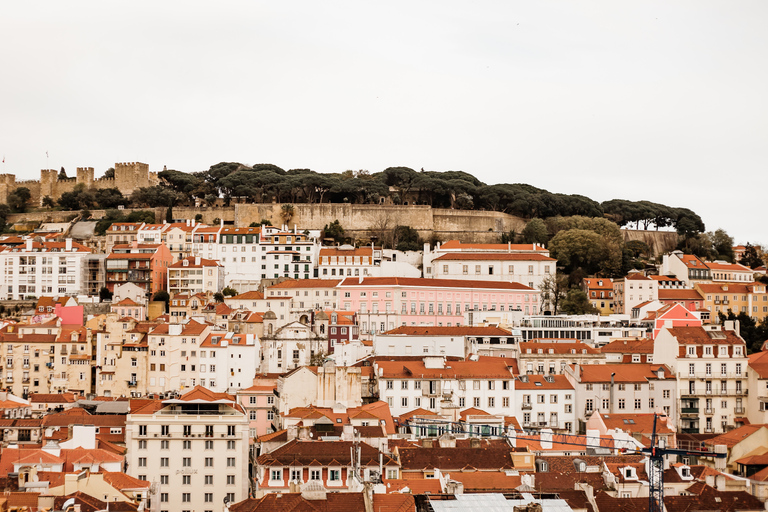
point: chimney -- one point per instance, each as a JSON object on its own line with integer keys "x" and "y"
{"x": 292, "y": 432}
{"x": 426, "y": 443}
{"x": 29, "y": 244}
{"x": 197, "y": 260}
{"x": 545, "y": 439}
{"x": 68, "y": 244}
{"x": 135, "y": 244}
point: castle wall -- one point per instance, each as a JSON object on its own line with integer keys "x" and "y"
{"x": 659, "y": 242}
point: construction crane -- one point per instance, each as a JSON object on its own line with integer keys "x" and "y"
{"x": 655, "y": 453}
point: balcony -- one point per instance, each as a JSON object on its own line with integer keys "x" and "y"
{"x": 526, "y": 405}
{"x": 131, "y": 383}
{"x": 690, "y": 430}
{"x": 689, "y": 410}
{"x": 428, "y": 392}
{"x": 9, "y": 379}
{"x": 739, "y": 410}
{"x": 709, "y": 410}
{"x": 49, "y": 365}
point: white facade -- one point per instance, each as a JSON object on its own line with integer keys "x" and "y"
{"x": 227, "y": 361}
{"x": 34, "y": 269}
{"x": 196, "y": 451}
{"x": 545, "y": 402}
{"x": 710, "y": 363}
{"x": 194, "y": 275}
{"x": 447, "y": 387}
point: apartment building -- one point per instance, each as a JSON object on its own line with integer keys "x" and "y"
{"x": 122, "y": 356}
{"x": 632, "y": 290}
{"x": 710, "y": 363}
{"x": 145, "y": 265}
{"x": 45, "y": 358}
{"x": 722, "y": 271}
{"x": 122, "y": 233}
{"x": 623, "y": 389}
{"x": 383, "y": 303}
{"x": 757, "y": 401}
{"x": 194, "y": 447}
{"x": 347, "y": 260}
{"x": 551, "y": 356}
{"x": 750, "y": 298}
{"x": 193, "y": 274}
{"x": 686, "y": 267}
{"x": 599, "y": 290}
{"x": 174, "y": 351}
{"x": 31, "y": 269}
{"x": 445, "y": 387}
{"x": 628, "y": 350}
{"x": 228, "y": 361}
{"x": 298, "y": 299}
{"x": 545, "y": 401}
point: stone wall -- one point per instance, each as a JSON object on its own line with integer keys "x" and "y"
{"x": 659, "y": 242}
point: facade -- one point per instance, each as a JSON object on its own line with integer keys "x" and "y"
{"x": 599, "y": 290}
{"x": 45, "y": 358}
{"x": 622, "y": 389}
{"x": 122, "y": 356}
{"x": 145, "y": 265}
{"x": 529, "y": 269}
{"x": 545, "y": 401}
{"x": 632, "y": 290}
{"x": 551, "y": 357}
{"x": 176, "y": 356}
{"x": 750, "y": 298}
{"x": 194, "y": 274}
{"x": 298, "y": 299}
{"x": 122, "y": 233}
{"x": 686, "y": 267}
{"x": 258, "y": 402}
{"x": 689, "y": 298}
{"x": 757, "y": 402}
{"x": 711, "y": 367}
{"x": 348, "y": 261}
{"x": 445, "y": 387}
{"x": 194, "y": 447}
{"x": 383, "y": 303}
{"x": 290, "y": 346}
{"x": 628, "y": 350}
{"x": 32, "y": 269}
{"x": 722, "y": 271}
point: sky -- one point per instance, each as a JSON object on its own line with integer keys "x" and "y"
{"x": 660, "y": 101}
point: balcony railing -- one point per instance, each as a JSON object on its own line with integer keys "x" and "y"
{"x": 527, "y": 405}
{"x": 689, "y": 410}
{"x": 739, "y": 410}
{"x": 132, "y": 383}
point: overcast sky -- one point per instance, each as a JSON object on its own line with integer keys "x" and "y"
{"x": 663, "y": 101}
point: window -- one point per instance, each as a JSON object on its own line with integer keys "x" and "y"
{"x": 186, "y": 462}
{"x": 334, "y": 475}
{"x": 622, "y": 403}
{"x": 186, "y": 497}
{"x": 209, "y": 497}
{"x": 164, "y": 479}
{"x": 314, "y": 474}
{"x": 142, "y": 462}
{"x": 186, "y": 479}
{"x": 209, "y": 462}
{"x": 230, "y": 462}
{"x": 275, "y": 474}
{"x": 476, "y": 401}
{"x": 231, "y": 479}
{"x": 164, "y": 444}
{"x": 208, "y": 479}
{"x": 143, "y": 444}
{"x": 164, "y": 462}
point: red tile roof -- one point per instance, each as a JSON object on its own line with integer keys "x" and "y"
{"x": 540, "y": 382}
{"x": 556, "y": 348}
{"x": 191, "y": 263}
{"x": 758, "y": 362}
{"x": 735, "y": 436}
{"x": 484, "y": 367}
{"x": 629, "y": 346}
{"x": 292, "y": 284}
{"x": 494, "y": 256}
{"x": 700, "y": 336}
{"x": 434, "y": 283}
{"x": 456, "y": 244}
{"x": 625, "y": 373}
{"x": 679, "y": 294}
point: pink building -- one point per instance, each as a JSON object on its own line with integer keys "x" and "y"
{"x": 383, "y": 303}
{"x": 259, "y": 404}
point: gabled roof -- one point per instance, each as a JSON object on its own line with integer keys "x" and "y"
{"x": 556, "y": 347}
{"x": 642, "y": 423}
{"x": 434, "y": 283}
{"x": 304, "y": 453}
{"x": 493, "y": 256}
{"x": 455, "y": 459}
{"x": 624, "y": 373}
{"x": 629, "y": 346}
{"x": 249, "y": 295}
{"x": 679, "y": 294}
{"x": 701, "y": 336}
{"x": 734, "y": 436}
{"x": 457, "y": 245}
{"x": 291, "y": 284}
{"x": 758, "y": 362}
{"x": 536, "y": 381}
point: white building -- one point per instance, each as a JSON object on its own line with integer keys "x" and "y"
{"x": 33, "y": 269}
{"x": 710, "y": 363}
{"x": 527, "y": 264}
{"x": 227, "y": 361}
{"x": 623, "y": 389}
{"x": 290, "y": 346}
{"x": 632, "y": 290}
{"x": 194, "y": 274}
{"x": 174, "y": 356}
{"x": 545, "y": 401}
{"x": 446, "y": 387}
{"x": 195, "y": 448}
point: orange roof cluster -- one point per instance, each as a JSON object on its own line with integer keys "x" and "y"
{"x": 629, "y": 346}
{"x": 679, "y": 294}
{"x": 378, "y": 410}
{"x": 758, "y": 362}
{"x": 192, "y": 263}
{"x": 249, "y": 295}
{"x": 642, "y": 423}
{"x": 358, "y": 251}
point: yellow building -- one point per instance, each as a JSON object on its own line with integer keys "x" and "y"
{"x": 750, "y": 298}
{"x": 600, "y": 293}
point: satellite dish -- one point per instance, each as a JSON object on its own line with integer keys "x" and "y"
{"x": 311, "y": 434}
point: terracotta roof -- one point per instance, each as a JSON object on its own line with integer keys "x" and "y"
{"x": 758, "y": 362}
{"x": 305, "y": 283}
{"x": 433, "y": 283}
{"x": 394, "y": 502}
{"x": 494, "y": 256}
{"x": 735, "y": 436}
{"x": 126, "y": 302}
{"x": 540, "y": 382}
{"x": 679, "y": 294}
{"x": 304, "y": 453}
{"x": 357, "y": 251}
{"x": 700, "y": 336}
{"x": 637, "y": 276}
{"x": 456, "y": 244}
{"x": 605, "y": 501}
{"x": 636, "y": 372}
{"x": 463, "y": 330}
{"x": 455, "y": 459}
{"x": 642, "y": 423}
{"x": 665, "y": 278}
{"x": 53, "y": 398}
{"x": 378, "y": 410}
{"x": 249, "y": 295}
{"x": 484, "y": 367}
{"x": 191, "y": 263}
{"x": 629, "y": 346}
{"x": 592, "y": 283}
{"x": 754, "y": 460}
{"x": 692, "y": 261}
{"x": 414, "y": 485}
{"x": 486, "y": 481}
{"x": 201, "y": 393}
{"x": 725, "y": 288}
{"x": 122, "y": 481}
{"x": 730, "y": 267}
{"x": 294, "y": 502}
{"x": 706, "y": 498}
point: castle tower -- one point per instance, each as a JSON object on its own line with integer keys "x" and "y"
{"x": 48, "y": 179}
{"x": 130, "y": 176}
{"x": 85, "y": 176}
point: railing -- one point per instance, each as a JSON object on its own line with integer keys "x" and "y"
{"x": 527, "y": 405}
{"x": 738, "y": 410}
{"x": 132, "y": 383}
{"x": 714, "y": 375}
{"x": 709, "y": 410}
{"x": 690, "y": 431}
{"x": 689, "y": 410}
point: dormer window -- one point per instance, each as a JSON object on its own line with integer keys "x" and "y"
{"x": 691, "y": 351}
{"x": 629, "y": 473}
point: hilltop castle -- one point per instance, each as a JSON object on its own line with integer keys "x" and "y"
{"x": 128, "y": 177}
